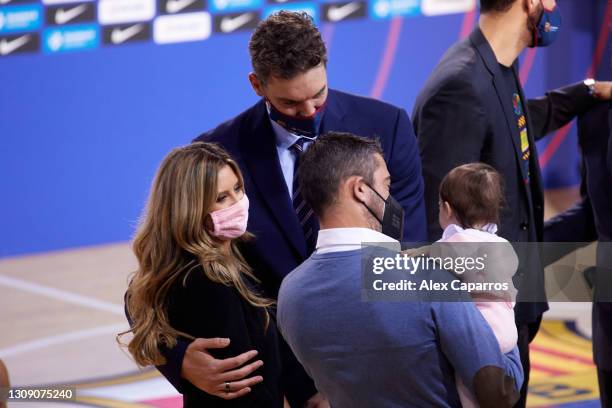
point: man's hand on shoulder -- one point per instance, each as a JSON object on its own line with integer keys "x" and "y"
{"x": 215, "y": 376}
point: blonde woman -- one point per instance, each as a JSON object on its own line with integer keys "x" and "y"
{"x": 192, "y": 282}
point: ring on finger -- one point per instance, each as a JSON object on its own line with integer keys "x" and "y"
{"x": 227, "y": 387}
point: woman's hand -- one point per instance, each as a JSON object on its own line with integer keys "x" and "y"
{"x": 215, "y": 376}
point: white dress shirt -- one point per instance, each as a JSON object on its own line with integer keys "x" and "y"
{"x": 349, "y": 239}
{"x": 284, "y": 140}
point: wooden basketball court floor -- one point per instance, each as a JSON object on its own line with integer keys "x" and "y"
{"x": 60, "y": 312}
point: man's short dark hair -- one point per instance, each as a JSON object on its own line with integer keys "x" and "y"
{"x": 331, "y": 159}
{"x": 495, "y": 5}
{"x": 286, "y": 44}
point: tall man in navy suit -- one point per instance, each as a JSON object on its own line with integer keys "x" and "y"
{"x": 473, "y": 109}
{"x": 289, "y": 74}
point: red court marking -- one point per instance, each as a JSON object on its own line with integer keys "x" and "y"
{"x": 554, "y": 144}
{"x": 547, "y": 370}
{"x": 561, "y": 354}
{"x": 387, "y": 61}
{"x": 603, "y": 39}
{"x": 527, "y": 65}
{"x": 168, "y": 402}
{"x": 468, "y": 24}
{"x": 562, "y": 133}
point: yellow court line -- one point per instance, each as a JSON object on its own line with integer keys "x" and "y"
{"x": 558, "y": 330}
{"x": 146, "y": 374}
{"x": 558, "y": 363}
{"x": 108, "y": 403}
{"x": 556, "y": 345}
{"x": 536, "y": 374}
{"x": 544, "y": 392}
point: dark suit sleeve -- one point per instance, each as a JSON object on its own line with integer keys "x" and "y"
{"x": 451, "y": 128}
{"x": 174, "y": 357}
{"x": 174, "y": 362}
{"x": 559, "y": 107}
{"x": 298, "y": 385}
{"x": 407, "y": 181}
{"x": 576, "y": 225}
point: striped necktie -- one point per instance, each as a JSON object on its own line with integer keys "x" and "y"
{"x": 308, "y": 220}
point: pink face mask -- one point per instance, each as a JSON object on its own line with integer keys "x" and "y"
{"x": 231, "y": 222}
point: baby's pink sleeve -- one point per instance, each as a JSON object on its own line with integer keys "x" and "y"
{"x": 500, "y": 316}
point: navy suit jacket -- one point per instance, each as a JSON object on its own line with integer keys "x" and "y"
{"x": 279, "y": 246}
{"x": 591, "y": 219}
{"x": 464, "y": 114}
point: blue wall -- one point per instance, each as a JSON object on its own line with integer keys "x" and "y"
{"x": 82, "y": 133}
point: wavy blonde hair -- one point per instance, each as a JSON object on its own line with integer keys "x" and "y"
{"x": 172, "y": 238}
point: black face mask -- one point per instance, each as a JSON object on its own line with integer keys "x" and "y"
{"x": 393, "y": 217}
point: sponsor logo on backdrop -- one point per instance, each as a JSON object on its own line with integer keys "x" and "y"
{"x": 71, "y": 14}
{"x": 20, "y": 18}
{"x": 308, "y": 8}
{"x": 51, "y": 2}
{"x": 9, "y": 2}
{"x": 343, "y": 11}
{"x": 74, "y": 24}
{"x": 180, "y": 6}
{"x": 126, "y": 33}
{"x": 228, "y": 6}
{"x": 229, "y": 23}
{"x": 16, "y": 44}
{"x": 182, "y": 27}
{"x": 391, "y": 8}
{"x": 71, "y": 38}
{"x": 437, "y": 7}
{"x": 125, "y": 11}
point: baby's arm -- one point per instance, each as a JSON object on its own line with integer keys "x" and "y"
{"x": 500, "y": 316}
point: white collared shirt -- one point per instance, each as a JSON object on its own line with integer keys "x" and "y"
{"x": 484, "y": 234}
{"x": 286, "y": 158}
{"x": 349, "y": 239}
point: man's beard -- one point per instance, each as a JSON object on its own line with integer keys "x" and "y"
{"x": 373, "y": 223}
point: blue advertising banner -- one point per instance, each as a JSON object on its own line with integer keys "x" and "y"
{"x": 93, "y": 94}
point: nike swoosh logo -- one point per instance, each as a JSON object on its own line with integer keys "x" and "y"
{"x": 229, "y": 24}
{"x": 119, "y": 36}
{"x": 6, "y": 47}
{"x": 174, "y": 6}
{"x": 62, "y": 16}
{"x": 341, "y": 12}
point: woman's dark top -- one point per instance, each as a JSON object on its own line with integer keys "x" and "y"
{"x": 206, "y": 309}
